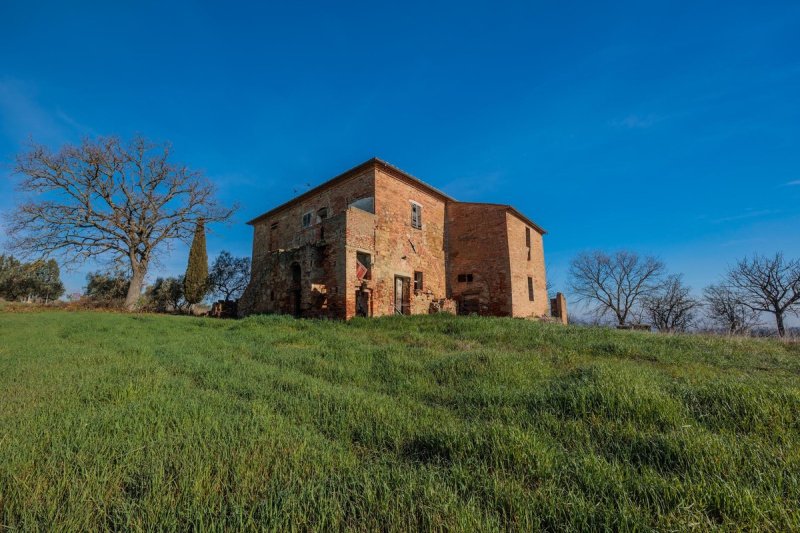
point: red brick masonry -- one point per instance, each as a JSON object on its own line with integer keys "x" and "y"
{"x": 424, "y": 252}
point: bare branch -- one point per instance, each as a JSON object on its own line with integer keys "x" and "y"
{"x": 671, "y": 308}
{"x": 614, "y": 284}
{"x": 767, "y": 285}
{"x": 108, "y": 200}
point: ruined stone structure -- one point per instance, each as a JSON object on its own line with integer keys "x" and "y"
{"x": 376, "y": 241}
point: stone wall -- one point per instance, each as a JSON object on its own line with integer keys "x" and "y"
{"x": 274, "y": 289}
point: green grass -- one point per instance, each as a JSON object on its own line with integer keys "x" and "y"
{"x": 113, "y": 421}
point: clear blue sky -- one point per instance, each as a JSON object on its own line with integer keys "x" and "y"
{"x": 670, "y": 128}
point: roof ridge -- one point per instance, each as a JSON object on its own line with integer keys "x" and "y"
{"x": 373, "y": 161}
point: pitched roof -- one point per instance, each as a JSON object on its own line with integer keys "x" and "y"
{"x": 396, "y": 172}
{"x": 370, "y": 163}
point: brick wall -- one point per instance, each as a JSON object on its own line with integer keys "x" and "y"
{"x": 402, "y": 249}
{"x": 485, "y": 241}
{"x": 477, "y": 244}
{"x": 360, "y": 237}
{"x": 522, "y": 268}
{"x": 289, "y": 232}
{"x": 279, "y": 241}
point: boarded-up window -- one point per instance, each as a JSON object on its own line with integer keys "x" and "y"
{"x": 530, "y": 289}
{"x": 416, "y": 215}
{"x": 363, "y": 265}
{"x": 417, "y": 281}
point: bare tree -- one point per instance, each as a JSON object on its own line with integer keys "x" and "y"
{"x": 229, "y": 276}
{"x": 671, "y": 308}
{"x": 615, "y": 283}
{"x": 725, "y": 309}
{"x": 768, "y": 285}
{"x": 108, "y": 200}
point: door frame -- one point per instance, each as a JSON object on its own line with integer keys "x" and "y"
{"x": 405, "y": 295}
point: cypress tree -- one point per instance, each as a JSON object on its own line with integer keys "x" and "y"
{"x": 195, "y": 284}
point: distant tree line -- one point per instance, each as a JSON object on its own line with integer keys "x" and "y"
{"x": 225, "y": 280}
{"x": 632, "y": 290}
{"x": 37, "y": 281}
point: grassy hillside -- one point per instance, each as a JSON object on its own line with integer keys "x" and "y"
{"x": 120, "y": 421}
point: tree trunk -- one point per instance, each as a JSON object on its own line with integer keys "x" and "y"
{"x": 779, "y": 321}
{"x": 135, "y": 289}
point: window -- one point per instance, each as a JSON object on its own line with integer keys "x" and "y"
{"x": 307, "y": 219}
{"x": 273, "y": 236}
{"x": 365, "y": 204}
{"x": 416, "y": 215}
{"x": 322, "y": 214}
{"x": 465, "y": 278}
{"x": 417, "y": 281}
{"x": 528, "y": 242}
{"x": 530, "y": 289}
{"x": 363, "y": 265}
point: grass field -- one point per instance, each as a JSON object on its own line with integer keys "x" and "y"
{"x": 121, "y": 421}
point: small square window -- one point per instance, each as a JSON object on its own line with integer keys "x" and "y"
{"x": 273, "y": 226}
{"x": 307, "y": 219}
{"x": 417, "y": 281}
{"x": 465, "y": 278}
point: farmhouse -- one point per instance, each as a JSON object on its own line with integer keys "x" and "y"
{"x": 377, "y": 241}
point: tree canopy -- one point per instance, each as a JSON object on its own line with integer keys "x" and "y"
{"x": 229, "y": 276}
{"x": 36, "y": 281}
